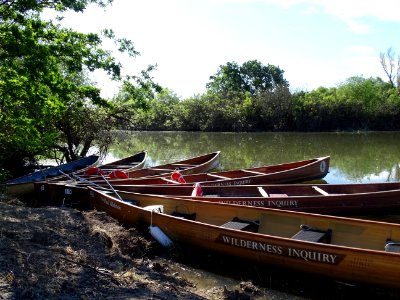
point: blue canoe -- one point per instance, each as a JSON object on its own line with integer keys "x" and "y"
{"x": 24, "y": 185}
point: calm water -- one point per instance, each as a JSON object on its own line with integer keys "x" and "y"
{"x": 355, "y": 158}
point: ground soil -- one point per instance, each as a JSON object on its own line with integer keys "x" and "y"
{"x": 63, "y": 253}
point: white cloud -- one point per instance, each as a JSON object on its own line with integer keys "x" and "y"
{"x": 351, "y": 12}
{"x": 382, "y": 9}
{"x": 311, "y": 10}
{"x": 361, "y": 50}
{"x": 357, "y": 27}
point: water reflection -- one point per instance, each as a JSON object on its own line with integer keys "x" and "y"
{"x": 355, "y": 157}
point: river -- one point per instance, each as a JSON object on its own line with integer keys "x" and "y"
{"x": 355, "y": 157}
{"x": 358, "y": 157}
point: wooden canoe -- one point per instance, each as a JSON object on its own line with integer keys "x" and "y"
{"x": 346, "y": 249}
{"x": 24, "y": 185}
{"x": 337, "y": 199}
{"x": 197, "y": 164}
{"x": 125, "y": 165}
{"x": 298, "y": 171}
{"x": 334, "y": 199}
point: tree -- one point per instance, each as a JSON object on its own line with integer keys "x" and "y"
{"x": 38, "y": 63}
{"x": 252, "y": 77}
{"x": 82, "y": 124}
{"x": 391, "y": 67}
{"x": 134, "y": 99}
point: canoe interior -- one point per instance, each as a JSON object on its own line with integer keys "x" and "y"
{"x": 285, "y": 173}
{"x": 293, "y": 190}
{"x": 201, "y": 163}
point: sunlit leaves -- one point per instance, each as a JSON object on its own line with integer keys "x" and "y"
{"x": 39, "y": 64}
{"x": 252, "y": 77}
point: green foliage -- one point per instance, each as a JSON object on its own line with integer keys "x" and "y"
{"x": 39, "y": 91}
{"x": 252, "y": 77}
{"x": 273, "y": 110}
{"x": 357, "y": 104}
{"x": 134, "y": 100}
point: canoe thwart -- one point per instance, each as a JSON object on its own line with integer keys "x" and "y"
{"x": 392, "y": 246}
{"x": 168, "y": 180}
{"x": 116, "y": 167}
{"x": 252, "y": 172}
{"x": 217, "y": 176}
{"x": 244, "y": 225}
{"x": 315, "y": 235}
{"x": 183, "y": 165}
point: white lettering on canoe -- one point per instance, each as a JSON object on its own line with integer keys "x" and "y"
{"x": 252, "y": 245}
{"x": 110, "y": 203}
{"x": 308, "y": 255}
{"x": 296, "y": 253}
{"x": 230, "y": 182}
{"x": 264, "y": 203}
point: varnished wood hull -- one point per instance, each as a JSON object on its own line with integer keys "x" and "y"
{"x": 354, "y": 254}
{"x": 316, "y": 168}
{"x": 338, "y": 199}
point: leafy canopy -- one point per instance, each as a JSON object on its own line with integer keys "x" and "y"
{"x": 39, "y": 64}
{"x": 252, "y": 77}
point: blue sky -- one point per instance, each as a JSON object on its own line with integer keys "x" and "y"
{"x": 316, "y": 42}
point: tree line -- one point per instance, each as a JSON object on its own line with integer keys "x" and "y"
{"x": 356, "y": 104}
{"x": 49, "y": 107}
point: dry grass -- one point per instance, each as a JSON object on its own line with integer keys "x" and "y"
{"x": 62, "y": 253}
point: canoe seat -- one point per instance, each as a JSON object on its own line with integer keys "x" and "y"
{"x": 319, "y": 190}
{"x": 133, "y": 202}
{"x": 244, "y": 225}
{"x": 263, "y": 192}
{"x": 315, "y": 235}
{"x": 392, "y": 246}
{"x": 155, "y": 208}
{"x": 184, "y": 215}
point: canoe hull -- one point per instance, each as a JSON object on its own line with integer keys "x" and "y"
{"x": 24, "y": 185}
{"x": 346, "y": 258}
{"x": 337, "y": 199}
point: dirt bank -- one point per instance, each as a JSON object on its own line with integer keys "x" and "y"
{"x": 62, "y": 253}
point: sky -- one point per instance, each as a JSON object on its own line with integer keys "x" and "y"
{"x": 315, "y": 42}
